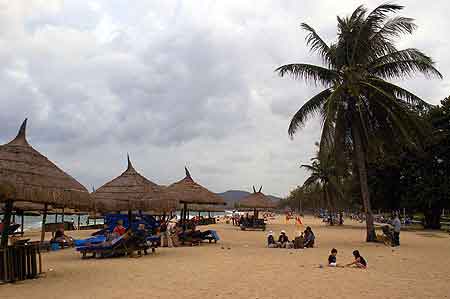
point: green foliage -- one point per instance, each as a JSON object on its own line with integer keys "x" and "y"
{"x": 417, "y": 178}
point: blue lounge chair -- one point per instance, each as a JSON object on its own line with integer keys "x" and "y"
{"x": 116, "y": 247}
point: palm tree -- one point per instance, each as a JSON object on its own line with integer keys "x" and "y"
{"x": 361, "y": 111}
{"x": 323, "y": 173}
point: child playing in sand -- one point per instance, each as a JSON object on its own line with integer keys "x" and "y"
{"x": 332, "y": 258}
{"x": 359, "y": 261}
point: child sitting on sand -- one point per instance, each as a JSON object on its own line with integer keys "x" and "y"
{"x": 359, "y": 261}
{"x": 332, "y": 258}
{"x": 271, "y": 240}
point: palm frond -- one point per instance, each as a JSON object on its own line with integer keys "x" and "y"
{"x": 310, "y": 108}
{"x": 309, "y": 167}
{"x": 399, "y": 93}
{"x": 382, "y": 41}
{"x": 406, "y": 68}
{"x": 394, "y": 110}
{"x": 309, "y": 73}
{"x": 316, "y": 44}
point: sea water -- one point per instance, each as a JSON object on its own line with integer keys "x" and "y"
{"x": 35, "y": 222}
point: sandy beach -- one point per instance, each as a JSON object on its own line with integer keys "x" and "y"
{"x": 240, "y": 266}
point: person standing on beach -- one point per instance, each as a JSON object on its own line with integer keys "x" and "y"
{"x": 397, "y": 224}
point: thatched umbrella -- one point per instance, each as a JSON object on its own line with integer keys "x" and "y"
{"x": 130, "y": 191}
{"x": 256, "y": 201}
{"x": 26, "y": 175}
{"x": 188, "y": 192}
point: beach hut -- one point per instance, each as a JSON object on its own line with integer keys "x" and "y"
{"x": 255, "y": 202}
{"x": 187, "y": 192}
{"x": 130, "y": 191}
{"x": 26, "y": 175}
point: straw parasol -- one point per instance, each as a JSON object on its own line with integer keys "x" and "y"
{"x": 27, "y": 175}
{"x": 187, "y": 191}
{"x": 256, "y": 201}
{"x": 130, "y": 191}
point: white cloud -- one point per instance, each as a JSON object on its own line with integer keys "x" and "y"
{"x": 175, "y": 83}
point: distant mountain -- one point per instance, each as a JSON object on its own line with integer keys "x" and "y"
{"x": 232, "y": 196}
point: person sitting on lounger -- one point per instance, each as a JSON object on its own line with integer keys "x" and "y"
{"x": 359, "y": 261}
{"x": 119, "y": 229}
{"x": 62, "y": 238}
{"x": 283, "y": 239}
{"x": 271, "y": 240}
{"x": 309, "y": 238}
{"x": 140, "y": 238}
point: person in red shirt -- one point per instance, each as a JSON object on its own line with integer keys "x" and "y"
{"x": 119, "y": 229}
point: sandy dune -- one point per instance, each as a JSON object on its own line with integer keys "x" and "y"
{"x": 241, "y": 267}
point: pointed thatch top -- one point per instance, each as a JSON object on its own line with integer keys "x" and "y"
{"x": 127, "y": 191}
{"x": 256, "y": 200}
{"x": 188, "y": 191}
{"x": 26, "y": 175}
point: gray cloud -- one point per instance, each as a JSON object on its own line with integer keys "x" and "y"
{"x": 175, "y": 83}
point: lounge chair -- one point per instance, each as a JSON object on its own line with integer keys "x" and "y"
{"x": 12, "y": 229}
{"x": 116, "y": 247}
{"x": 123, "y": 245}
{"x": 255, "y": 224}
{"x": 92, "y": 240}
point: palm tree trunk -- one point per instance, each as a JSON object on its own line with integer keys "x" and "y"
{"x": 361, "y": 164}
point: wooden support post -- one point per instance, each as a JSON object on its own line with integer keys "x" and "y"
{"x": 79, "y": 225}
{"x": 62, "y": 217}
{"x": 6, "y": 223}
{"x": 44, "y": 219}
{"x": 130, "y": 216}
{"x": 22, "y": 220}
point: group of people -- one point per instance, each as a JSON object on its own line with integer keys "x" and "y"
{"x": 306, "y": 239}
{"x": 358, "y": 262}
{"x": 135, "y": 239}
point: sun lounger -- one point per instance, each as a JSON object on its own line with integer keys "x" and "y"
{"x": 123, "y": 245}
{"x": 92, "y": 240}
{"x": 116, "y": 247}
{"x": 12, "y": 229}
{"x": 256, "y": 224}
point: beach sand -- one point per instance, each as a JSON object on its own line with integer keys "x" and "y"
{"x": 240, "y": 266}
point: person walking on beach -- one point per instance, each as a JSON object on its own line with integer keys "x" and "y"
{"x": 397, "y": 224}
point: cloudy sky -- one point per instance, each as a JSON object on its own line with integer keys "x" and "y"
{"x": 177, "y": 83}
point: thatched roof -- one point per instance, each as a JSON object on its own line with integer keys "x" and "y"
{"x": 23, "y": 207}
{"x": 256, "y": 200}
{"x": 127, "y": 192}
{"x": 26, "y": 175}
{"x": 188, "y": 191}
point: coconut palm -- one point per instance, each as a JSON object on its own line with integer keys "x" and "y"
{"x": 323, "y": 173}
{"x": 361, "y": 110}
